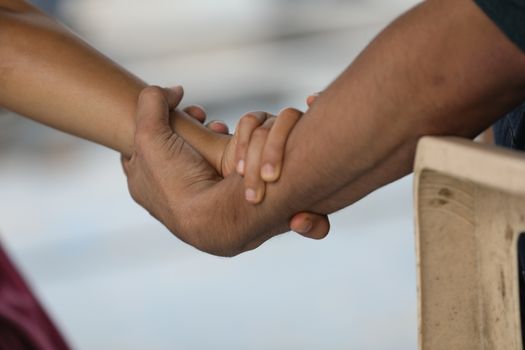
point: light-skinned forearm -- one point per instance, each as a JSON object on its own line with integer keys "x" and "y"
{"x": 50, "y": 75}
{"x": 441, "y": 69}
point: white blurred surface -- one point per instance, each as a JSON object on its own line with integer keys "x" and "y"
{"x": 113, "y": 278}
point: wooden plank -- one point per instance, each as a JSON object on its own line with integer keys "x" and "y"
{"x": 470, "y": 210}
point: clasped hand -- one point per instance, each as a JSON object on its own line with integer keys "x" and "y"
{"x": 199, "y": 199}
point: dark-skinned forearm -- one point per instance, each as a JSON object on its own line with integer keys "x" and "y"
{"x": 500, "y": 81}
{"x": 442, "y": 69}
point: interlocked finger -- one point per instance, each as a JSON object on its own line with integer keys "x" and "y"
{"x": 254, "y": 185}
{"x": 274, "y": 149}
{"x": 248, "y": 123}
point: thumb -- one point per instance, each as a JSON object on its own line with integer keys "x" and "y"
{"x": 174, "y": 96}
{"x": 153, "y": 109}
{"x": 310, "y": 225}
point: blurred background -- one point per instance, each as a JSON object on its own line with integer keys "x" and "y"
{"x": 114, "y": 278}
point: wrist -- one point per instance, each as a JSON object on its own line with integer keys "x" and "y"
{"x": 209, "y": 144}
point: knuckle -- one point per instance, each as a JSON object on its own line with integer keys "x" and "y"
{"x": 268, "y": 124}
{"x": 248, "y": 120}
{"x": 257, "y": 118}
{"x": 290, "y": 111}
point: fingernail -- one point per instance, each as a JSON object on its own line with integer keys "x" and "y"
{"x": 268, "y": 172}
{"x": 240, "y": 167}
{"x": 250, "y": 195}
{"x": 305, "y": 226}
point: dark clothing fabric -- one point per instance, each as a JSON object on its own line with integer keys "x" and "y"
{"x": 509, "y": 131}
{"x": 509, "y": 16}
{"x": 23, "y": 323}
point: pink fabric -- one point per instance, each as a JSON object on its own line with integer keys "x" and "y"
{"x": 24, "y": 324}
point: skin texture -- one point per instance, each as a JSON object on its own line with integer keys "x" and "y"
{"x": 51, "y": 76}
{"x": 443, "y": 68}
{"x": 263, "y": 148}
